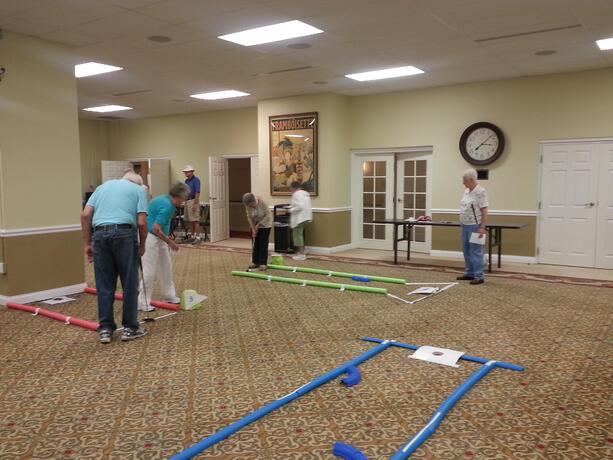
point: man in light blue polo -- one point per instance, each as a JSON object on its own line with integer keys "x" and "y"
{"x": 116, "y": 213}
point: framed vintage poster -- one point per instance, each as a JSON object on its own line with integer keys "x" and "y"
{"x": 293, "y": 152}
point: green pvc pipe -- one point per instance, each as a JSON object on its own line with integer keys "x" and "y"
{"x": 317, "y": 271}
{"x": 323, "y": 284}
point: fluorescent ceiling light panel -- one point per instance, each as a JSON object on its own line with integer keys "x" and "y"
{"x": 93, "y": 68}
{"x": 385, "y": 73}
{"x": 605, "y": 44}
{"x": 107, "y": 108}
{"x": 220, "y": 95}
{"x": 272, "y": 33}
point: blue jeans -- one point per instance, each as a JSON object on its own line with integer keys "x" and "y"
{"x": 473, "y": 253}
{"x": 116, "y": 255}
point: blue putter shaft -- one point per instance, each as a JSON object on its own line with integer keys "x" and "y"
{"x": 229, "y": 430}
{"x": 474, "y": 359}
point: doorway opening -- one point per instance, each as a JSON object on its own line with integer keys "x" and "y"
{"x": 239, "y": 183}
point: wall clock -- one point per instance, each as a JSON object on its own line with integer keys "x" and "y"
{"x": 482, "y": 143}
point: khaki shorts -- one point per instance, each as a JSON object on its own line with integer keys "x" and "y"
{"x": 190, "y": 214}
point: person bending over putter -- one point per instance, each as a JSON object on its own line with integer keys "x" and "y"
{"x": 157, "y": 260}
{"x": 260, "y": 221}
{"x": 117, "y": 214}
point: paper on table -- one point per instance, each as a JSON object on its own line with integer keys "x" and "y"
{"x": 58, "y": 300}
{"x": 474, "y": 238}
{"x": 424, "y": 290}
{"x": 436, "y": 355}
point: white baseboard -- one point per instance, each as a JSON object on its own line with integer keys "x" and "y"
{"x": 331, "y": 250}
{"x": 504, "y": 257}
{"x": 42, "y": 295}
{"x": 320, "y": 249}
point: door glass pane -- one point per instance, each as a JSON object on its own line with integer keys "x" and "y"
{"x": 368, "y": 168}
{"x": 380, "y": 214}
{"x": 409, "y": 168}
{"x": 368, "y": 200}
{"x": 420, "y": 184}
{"x": 420, "y": 212}
{"x": 367, "y": 215}
{"x": 409, "y": 200}
{"x": 379, "y": 232}
{"x": 380, "y": 184}
{"x": 409, "y": 184}
{"x": 379, "y": 200}
{"x": 420, "y": 233}
{"x": 408, "y": 213}
{"x": 420, "y": 168}
{"x": 380, "y": 168}
{"x": 367, "y": 231}
{"x": 420, "y": 200}
{"x": 368, "y": 184}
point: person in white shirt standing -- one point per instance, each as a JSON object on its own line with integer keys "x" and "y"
{"x": 473, "y": 217}
{"x": 300, "y": 214}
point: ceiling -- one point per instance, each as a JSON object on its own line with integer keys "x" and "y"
{"x": 453, "y": 41}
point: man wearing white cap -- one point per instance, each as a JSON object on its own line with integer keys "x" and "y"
{"x": 192, "y": 205}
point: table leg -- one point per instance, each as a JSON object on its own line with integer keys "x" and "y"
{"x": 395, "y": 244}
{"x": 489, "y": 249}
{"x": 409, "y": 242}
{"x": 499, "y": 243}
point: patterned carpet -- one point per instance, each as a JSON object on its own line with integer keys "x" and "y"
{"x": 65, "y": 396}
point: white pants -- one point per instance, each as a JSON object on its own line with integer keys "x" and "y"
{"x": 157, "y": 263}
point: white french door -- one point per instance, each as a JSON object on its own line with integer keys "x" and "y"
{"x": 413, "y": 192}
{"x": 218, "y": 199}
{"x": 576, "y": 217}
{"x": 604, "y": 232}
{"x": 373, "y": 199}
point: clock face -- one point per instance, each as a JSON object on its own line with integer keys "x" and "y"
{"x": 482, "y": 143}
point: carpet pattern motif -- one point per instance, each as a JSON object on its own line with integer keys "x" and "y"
{"x": 65, "y": 396}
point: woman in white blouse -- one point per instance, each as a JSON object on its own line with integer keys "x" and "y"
{"x": 473, "y": 217}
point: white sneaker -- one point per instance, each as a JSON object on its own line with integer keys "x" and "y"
{"x": 173, "y": 299}
{"x": 299, "y": 257}
{"x": 146, "y": 308}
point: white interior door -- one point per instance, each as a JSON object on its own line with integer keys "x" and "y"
{"x": 413, "y": 195}
{"x": 159, "y": 176}
{"x": 569, "y": 193}
{"x": 604, "y": 238}
{"x": 373, "y": 198}
{"x": 218, "y": 199}
{"x": 114, "y": 169}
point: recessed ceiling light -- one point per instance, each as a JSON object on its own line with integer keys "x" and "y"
{"x": 272, "y": 33}
{"x": 545, "y": 52}
{"x": 605, "y": 44}
{"x": 219, "y": 95}
{"x": 299, "y": 46}
{"x": 385, "y": 73}
{"x": 93, "y": 68}
{"x": 159, "y": 38}
{"x": 107, "y": 108}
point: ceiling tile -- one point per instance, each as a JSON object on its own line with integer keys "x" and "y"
{"x": 19, "y": 26}
{"x": 68, "y": 38}
{"x": 124, "y": 24}
{"x": 180, "y": 11}
{"x": 65, "y": 13}
{"x": 8, "y": 7}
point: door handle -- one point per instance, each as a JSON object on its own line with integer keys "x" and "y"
{"x": 212, "y": 198}
{"x": 590, "y": 205}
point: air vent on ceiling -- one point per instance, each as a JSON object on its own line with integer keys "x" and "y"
{"x": 132, "y": 93}
{"x": 109, "y": 117}
{"x": 294, "y": 69}
{"x": 531, "y": 32}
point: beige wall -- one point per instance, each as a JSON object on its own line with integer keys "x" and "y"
{"x": 40, "y": 174}
{"x": 39, "y": 138}
{"x": 94, "y": 144}
{"x": 333, "y": 145}
{"x": 186, "y": 139}
{"x": 530, "y": 109}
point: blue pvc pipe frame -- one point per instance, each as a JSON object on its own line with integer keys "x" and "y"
{"x": 383, "y": 345}
{"x": 442, "y": 410}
